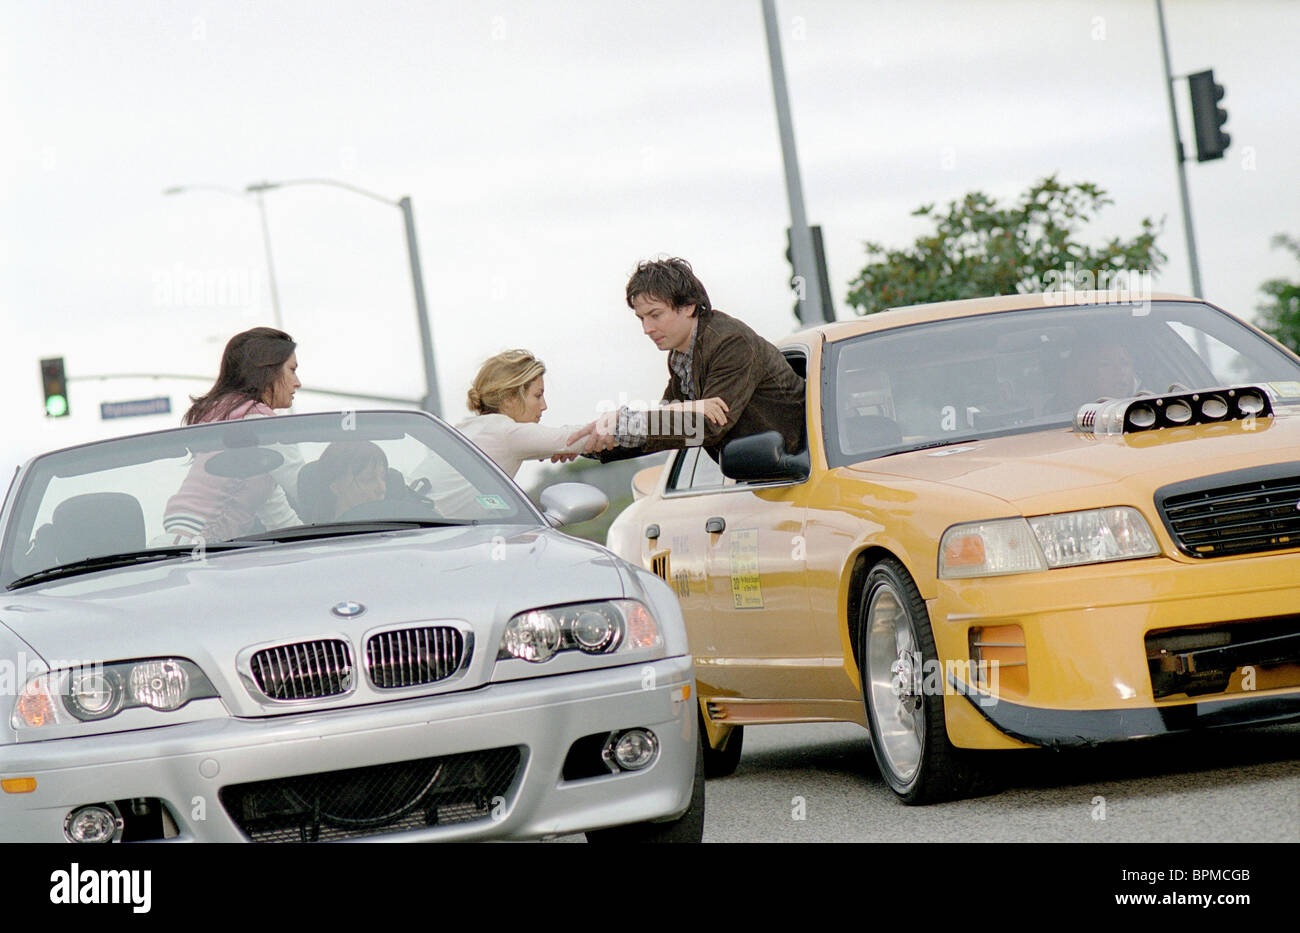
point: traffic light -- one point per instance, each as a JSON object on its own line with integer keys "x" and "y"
{"x": 55, "y": 383}
{"x": 1207, "y": 116}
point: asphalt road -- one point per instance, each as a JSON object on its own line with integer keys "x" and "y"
{"x": 1235, "y": 786}
{"x": 819, "y": 783}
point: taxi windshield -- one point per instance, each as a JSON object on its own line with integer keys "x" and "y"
{"x": 945, "y": 382}
{"x": 259, "y": 479}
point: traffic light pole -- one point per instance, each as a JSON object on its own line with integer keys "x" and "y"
{"x": 1181, "y": 158}
{"x": 801, "y": 244}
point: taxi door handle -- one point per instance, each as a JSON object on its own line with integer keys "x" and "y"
{"x": 715, "y": 525}
{"x": 652, "y": 532}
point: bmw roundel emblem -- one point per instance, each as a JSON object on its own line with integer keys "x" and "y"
{"x": 348, "y": 609}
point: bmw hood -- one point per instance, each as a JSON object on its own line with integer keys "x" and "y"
{"x": 210, "y": 609}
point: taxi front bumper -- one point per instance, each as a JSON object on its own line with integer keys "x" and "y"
{"x": 1096, "y": 637}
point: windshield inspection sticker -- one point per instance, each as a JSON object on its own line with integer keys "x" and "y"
{"x": 948, "y": 451}
{"x": 746, "y": 590}
{"x": 1286, "y": 389}
{"x": 492, "y": 502}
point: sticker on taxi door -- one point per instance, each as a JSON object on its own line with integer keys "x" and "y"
{"x": 746, "y": 590}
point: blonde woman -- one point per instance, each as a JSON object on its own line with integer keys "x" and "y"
{"x": 507, "y": 398}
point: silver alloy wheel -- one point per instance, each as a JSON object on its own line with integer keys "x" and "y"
{"x": 894, "y": 673}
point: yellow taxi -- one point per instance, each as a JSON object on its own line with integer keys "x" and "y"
{"x": 1037, "y": 520}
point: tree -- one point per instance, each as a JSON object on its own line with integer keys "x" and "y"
{"x": 979, "y": 249}
{"x": 1280, "y": 317}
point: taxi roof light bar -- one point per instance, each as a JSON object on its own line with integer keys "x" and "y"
{"x": 1150, "y": 412}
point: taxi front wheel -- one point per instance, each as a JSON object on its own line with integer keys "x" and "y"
{"x": 897, "y": 661}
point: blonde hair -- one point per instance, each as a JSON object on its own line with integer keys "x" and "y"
{"x": 501, "y": 377}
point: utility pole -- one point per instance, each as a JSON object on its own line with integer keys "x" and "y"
{"x": 270, "y": 265}
{"x": 432, "y": 399}
{"x": 1180, "y": 157}
{"x": 801, "y": 245}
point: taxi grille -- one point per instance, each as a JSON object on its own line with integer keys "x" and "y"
{"x": 414, "y": 656}
{"x": 376, "y": 800}
{"x": 1244, "y": 512}
{"x": 304, "y": 671}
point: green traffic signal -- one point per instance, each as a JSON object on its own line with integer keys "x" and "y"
{"x": 55, "y": 383}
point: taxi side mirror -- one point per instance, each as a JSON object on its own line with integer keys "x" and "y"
{"x": 763, "y": 458}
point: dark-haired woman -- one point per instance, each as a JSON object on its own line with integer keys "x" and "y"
{"x": 258, "y": 375}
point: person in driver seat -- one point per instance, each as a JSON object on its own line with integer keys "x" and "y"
{"x": 347, "y": 475}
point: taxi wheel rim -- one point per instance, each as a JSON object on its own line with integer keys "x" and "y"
{"x": 893, "y": 670}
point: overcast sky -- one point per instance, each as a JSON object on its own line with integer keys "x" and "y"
{"x": 547, "y": 147}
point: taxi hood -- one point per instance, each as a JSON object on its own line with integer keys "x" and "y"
{"x": 1061, "y": 469}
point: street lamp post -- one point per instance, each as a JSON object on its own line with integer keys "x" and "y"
{"x": 266, "y": 239}
{"x": 432, "y": 399}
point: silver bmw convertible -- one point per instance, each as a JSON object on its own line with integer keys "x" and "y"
{"x": 345, "y": 626}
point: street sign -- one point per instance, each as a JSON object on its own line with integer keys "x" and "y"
{"x": 136, "y": 407}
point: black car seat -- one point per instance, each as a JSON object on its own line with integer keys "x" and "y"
{"x": 92, "y": 525}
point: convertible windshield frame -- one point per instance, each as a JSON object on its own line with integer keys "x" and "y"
{"x": 1084, "y": 322}
{"x": 31, "y": 482}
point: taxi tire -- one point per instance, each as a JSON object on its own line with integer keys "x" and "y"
{"x": 689, "y": 827}
{"x": 721, "y": 762}
{"x": 943, "y": 771}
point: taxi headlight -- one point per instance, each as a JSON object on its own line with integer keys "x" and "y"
{"x": 1018, "y": 545}
{"x": 93, "y": 692}
{"x": 1094, "y": 536}
{"x": 989, "y": 549}
{"x": 605, "y": 627}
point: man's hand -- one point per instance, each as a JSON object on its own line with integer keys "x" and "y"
{"x": 603, "y": 434}
{"x": 599, "y": 434}
{"x": 715, "y": 409}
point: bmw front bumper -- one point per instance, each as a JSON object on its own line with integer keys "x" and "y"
{"x": 197, "y": 770}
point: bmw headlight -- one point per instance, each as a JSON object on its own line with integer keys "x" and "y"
{"x": 94, "y": 692}
{"x": 1067, "y": 539}
{"x": 597, "y": 628}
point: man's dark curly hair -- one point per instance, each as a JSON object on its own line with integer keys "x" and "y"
{"x": 670, "y": 280}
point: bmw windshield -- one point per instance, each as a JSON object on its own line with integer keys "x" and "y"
{"x": 242, "y": 483}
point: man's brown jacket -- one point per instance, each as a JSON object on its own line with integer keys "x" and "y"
{"x": 747, "y": 372}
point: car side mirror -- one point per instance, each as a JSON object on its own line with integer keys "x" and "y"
{"x": 763, "y": 458}
{"x": 571, "y": 503}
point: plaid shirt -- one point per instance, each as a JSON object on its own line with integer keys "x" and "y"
{"x": 632, "y": 429}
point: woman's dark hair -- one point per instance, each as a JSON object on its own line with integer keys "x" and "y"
{"x": 250, "y": 364}
{"x": 670, "y": 280}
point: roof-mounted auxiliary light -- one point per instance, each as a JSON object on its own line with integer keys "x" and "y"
{"x": 1149, "y": 412}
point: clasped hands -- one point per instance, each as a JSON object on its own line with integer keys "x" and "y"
{"x": 601, "y": 434}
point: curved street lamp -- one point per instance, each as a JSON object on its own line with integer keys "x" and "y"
{"x": 432, "y": 400}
